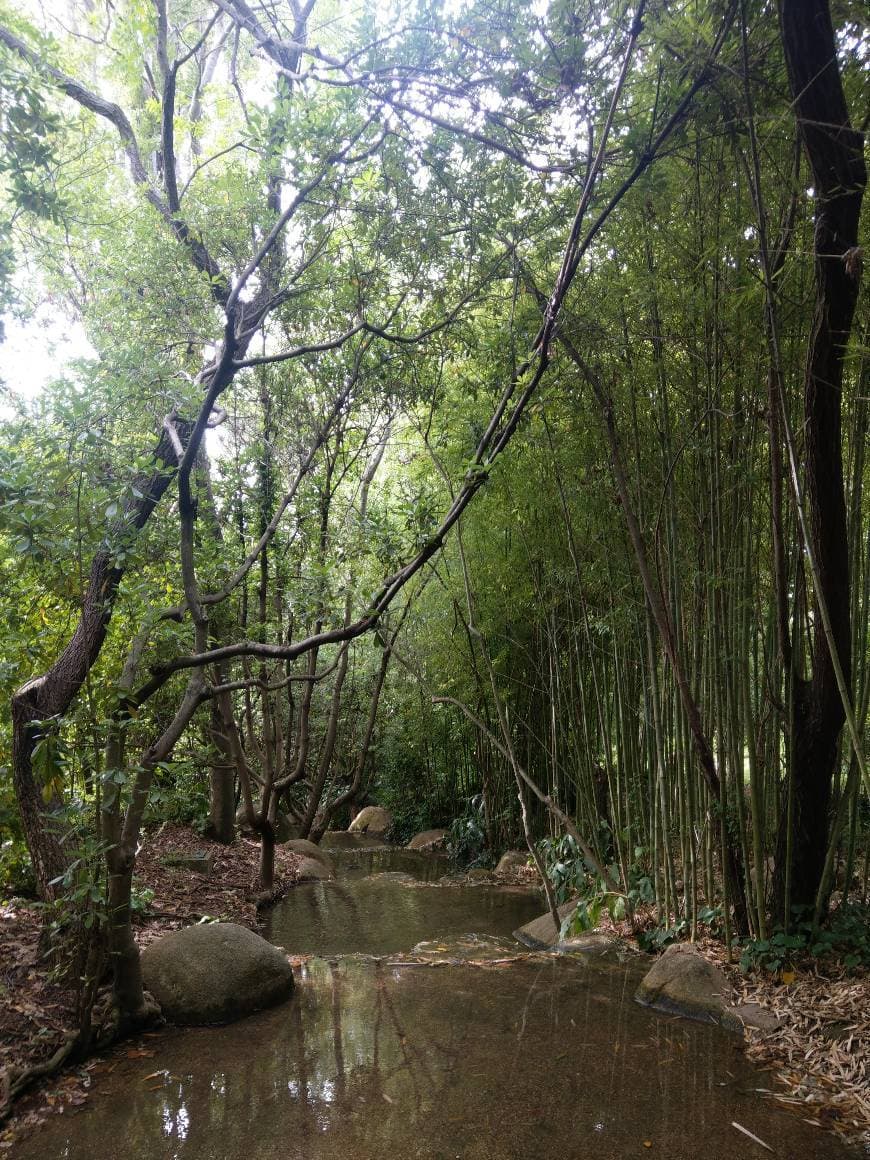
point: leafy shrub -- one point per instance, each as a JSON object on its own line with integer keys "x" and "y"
{"x": 845, "y": 938}
{"x": 658, "y": 937}
{"x": 180, "y": 794}
{"x": 141, "y": 898}
{"x": 16, "y": 870}
{"x": 409, "y": 816}
{"x": 466, "y": 836}
{"x": 564, "y": 866}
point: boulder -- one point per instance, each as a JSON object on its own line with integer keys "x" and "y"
{"x": 511, "y": 861}
{"x": 591, "y": 942}
{"x": 541, "y": 932}
{"x": 427, "y": 840}
{"x": 683, "y": 982}
{"x": 313, "y": 870}
{"x": 371, "y": 820}
{"x": 751, "y": 1015}
{"x": 215, "y": 973}
{"x": 310, "y": 850}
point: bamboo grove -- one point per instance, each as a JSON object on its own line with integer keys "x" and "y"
{"x": 476, "y": 423}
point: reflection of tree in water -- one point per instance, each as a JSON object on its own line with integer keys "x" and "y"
{"x": 373, "y": 1058}
{"x": 369, "y": 1060}
{"x": 381, "y": 916}
{"x": 413, "y": 1058}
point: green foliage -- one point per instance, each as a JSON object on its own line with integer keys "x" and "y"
{"x": 845, "y": 938}
{"x": 585, "y": 916}
{"x": 29, "y": 131}
{"x": 564, "y": 866}
{"x": 410, "y": 814}
{"x": 656, "y": 938}
{"x": 466, "y": 836}
{"x": 180, "y": 794}
{"x": 76, "y": 919}
{"x": 16, "y": 870}
{"x": 141, "y": 898}
{"x": 50, "y": 758}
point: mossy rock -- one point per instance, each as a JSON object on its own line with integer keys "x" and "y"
{"x": 371, "y": 820}
{"x": 215, "y": 973}
{"x": 683, "y": 982}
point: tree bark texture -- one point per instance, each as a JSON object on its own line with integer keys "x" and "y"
{"x": 835, "y": 154}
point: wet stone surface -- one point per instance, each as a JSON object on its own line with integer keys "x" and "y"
{"x": 364, "y": 861}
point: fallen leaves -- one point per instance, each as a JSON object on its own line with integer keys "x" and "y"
{"x": 821, "y": 1051}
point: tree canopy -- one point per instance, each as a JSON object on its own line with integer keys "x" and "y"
{"x": 478, "y": 412}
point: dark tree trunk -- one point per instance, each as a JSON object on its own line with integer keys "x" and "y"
{"x": 835, "y": 154}
{"x": 51, "y": 694}
{"x": 222, "y": 781}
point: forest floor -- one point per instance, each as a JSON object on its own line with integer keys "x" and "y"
{"x": 820, "y": 1052}
{"x": 818, "y": 1057}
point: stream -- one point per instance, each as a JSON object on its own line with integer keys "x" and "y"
{"x": 420, "y": 1028}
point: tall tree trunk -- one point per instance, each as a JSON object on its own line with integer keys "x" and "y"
{"x": 835, "y": 153}
{"x": 52, "y": 693}
{"x": 221, "y": 778}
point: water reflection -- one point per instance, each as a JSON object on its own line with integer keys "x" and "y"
{"x": 536, "y": 1058}
{"x": 544, "y": 1058}
{"x": 382, "y": 913}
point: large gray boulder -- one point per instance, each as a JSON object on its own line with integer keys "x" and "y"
{"x": 371, "y": 820}
{"x": 542, "y": 932}
{"x": 683, "y": 982}
{"x": 215, "y": 973}
{"x": 310, "y": 850}
{"x": 427, "y": 840}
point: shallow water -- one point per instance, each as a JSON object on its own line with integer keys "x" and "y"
{"x": 479, "y": 1058}
{"x": 384, "y": 901}
{"x": 546, "y": 1058}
